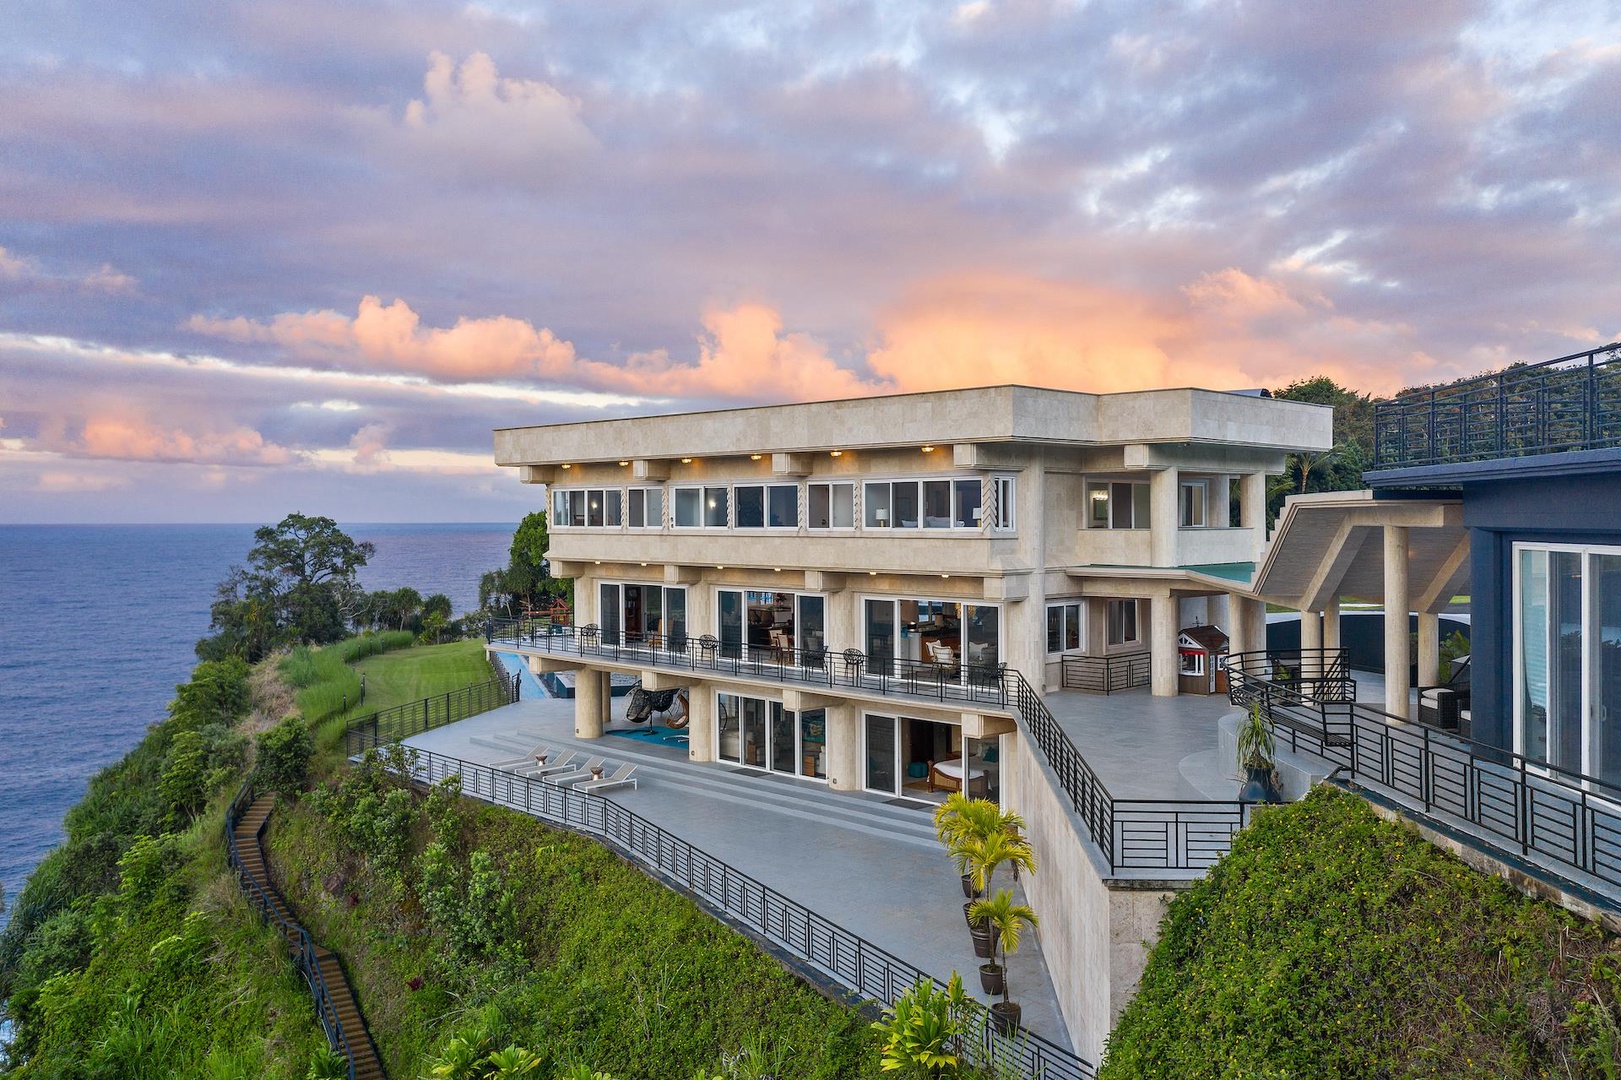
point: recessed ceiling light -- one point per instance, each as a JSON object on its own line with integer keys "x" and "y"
{"x": 568, "y": 466}
{"x": 622, "y": 464}
{"x": 928, "y": 449}
{"x": 686, "y": 461}
{"x": 837, "y": 453}
{"x": 755, "y": 457}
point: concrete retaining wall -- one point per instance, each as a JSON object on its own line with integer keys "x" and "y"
{"x": 1095, "y": 933}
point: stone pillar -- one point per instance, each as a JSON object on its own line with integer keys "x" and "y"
{"x": 1429, "y": 648}
{"x": 1252, "y": 505}
{"x": 1331, "y": 623}
{"x": 844, "y": 748}
{"x": 701, "y": 723}
{"x": 1248, "y": 631}
{"x": 1163, "y": 517}
{"x": 1311, "y": 640}
{"x": 1397, "y": 683}
{"x": 1162, "y": 651}
{"x": 1221, "y": 613}
{"x": 592, "y": 699}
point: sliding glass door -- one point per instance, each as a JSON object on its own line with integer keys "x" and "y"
{"x": 1567, "y": 658}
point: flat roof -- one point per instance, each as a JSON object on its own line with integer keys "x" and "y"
{"x": 991, "y": 414}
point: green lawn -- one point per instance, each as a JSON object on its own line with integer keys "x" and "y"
{"x": 412, "y": 674}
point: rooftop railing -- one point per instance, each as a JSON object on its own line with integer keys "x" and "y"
{"x": 1566, "y": 822}
{"x": 1569, "y": 403}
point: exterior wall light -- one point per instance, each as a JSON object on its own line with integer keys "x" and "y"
{"x": 945, "y": 575}
{"x": 566, "y": 466}
{"x": 686, "y": 461}
{"x": 928, "y": 449}
{"x": 755, "y": 457}
{"x": 836, "y": 453}
{"x": 622, "y": 464}
{"x": 872, "y": 573}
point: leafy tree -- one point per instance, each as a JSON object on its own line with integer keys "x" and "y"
{"x": 283, "y": 759}
{"x": 299, "y": 586}
{"x": 1340, "y": 467}
{"x": 526, "y": 579}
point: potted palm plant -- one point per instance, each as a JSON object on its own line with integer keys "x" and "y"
{"x": 1257, "y": 756}
{"x": 1007, "y": 919}
{"x": 983, "y": 855}
{"x": 960, "y": 820}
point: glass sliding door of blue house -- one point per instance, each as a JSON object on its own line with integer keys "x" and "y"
{"x": 758, "y": 733}
{"x": 642, "y": 613}
{"x": 959, "y": 642}
{"x": 772, "y": 627}
{"x": 1567, "y": 657}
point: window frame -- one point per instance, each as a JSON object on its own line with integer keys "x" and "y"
{"x": 1119, "y": 604}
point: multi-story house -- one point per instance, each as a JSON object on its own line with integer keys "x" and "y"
{"x": 848, "y": 590}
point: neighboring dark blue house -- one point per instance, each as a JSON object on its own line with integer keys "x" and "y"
{"x": 1534, "y": 453}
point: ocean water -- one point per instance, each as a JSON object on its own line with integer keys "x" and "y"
{"x": 97, "y": 626}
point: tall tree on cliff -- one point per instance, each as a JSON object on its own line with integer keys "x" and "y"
{"x": 526, "y": 580}
{"x": 299, "y": 585}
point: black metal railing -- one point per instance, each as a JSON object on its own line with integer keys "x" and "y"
{"x": 852, "y": 669}
{"x": 1104, "y": 674}
{"x": 1131, "y": 834}
{"x": 846, "y": 958}
{"x": 261, "y": 895}
{"x": 1145, "y": 834}
{"x": 1569, "y": 403}
{"x": 1565, "y": 821}
{"x": 413, "y": 718}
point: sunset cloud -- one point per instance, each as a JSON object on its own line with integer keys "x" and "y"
{"x": 135, "y": 440}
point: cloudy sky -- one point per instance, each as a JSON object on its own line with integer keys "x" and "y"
{"x": 259, "y": 257}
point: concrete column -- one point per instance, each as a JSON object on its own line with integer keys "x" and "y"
{"x": 1252, "y": 505}
{"x": 1429, "y": 648}
{"x": 1221, "y": 613}
{"x": 1249, "y": 625}
{"x": 1397, "y": 683}
{"x": 1162, "y": 613}
{"x": 844, "y": 748}
{"x": 1331, "y": 623}
{"x": 592, "y": 698}
{"x": 1311, "y": 639}
{"x": 701, "y": 723}
{"x": 1163, "y": 517}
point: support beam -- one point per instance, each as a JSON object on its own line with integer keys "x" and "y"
{"x": 1342, "y": 552}
{"x": 1331, "y": 623}
{"x": 1252, "y": 505}
{"x": 1397, "y": 681}
{"x": 790, "y": 464}
{"x": 650, "y": 469}
{"x": 1162, "y": 652}
{"x": 1452, "y": 575}
{"x": 844, "y": 748}
{"x": 1311, "y": 640}
{"x": 1163, "y": 517}
{"x": 701, "y": 724}
{"x": 1429, "y": 647}
{"x": 592, "y": 697}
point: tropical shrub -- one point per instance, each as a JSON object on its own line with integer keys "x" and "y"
{"x": 282, "y": 760}
{"x": 920, "y": 1031}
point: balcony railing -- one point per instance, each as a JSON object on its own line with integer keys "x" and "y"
{"x": 1564, "y": 821}
{"x": 849, "y": 670}
{"x": 1104, "y": 674}
{"x": 1571, "y": 403}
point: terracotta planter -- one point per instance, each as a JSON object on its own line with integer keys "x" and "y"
{"x": 1005, "y": 1017}
{"x": 992, "y": 978}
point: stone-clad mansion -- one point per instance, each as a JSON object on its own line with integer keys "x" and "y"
{"x": 933, "y": 540}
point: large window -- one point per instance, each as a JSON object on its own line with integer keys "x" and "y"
{"x": 761, "y": 734}
{"x": 635, "y": 613}
{"x": 1064, "y": 626}
{"x": 760, "y": 506}
{"x": 645, "y": 509}
{"x": 960, "y": 642}
{"x": 1112, "y": 505}
{"x": 708, "y": 507}
{"x": 832, "y": 506}
{"x": 922, "y": 504}
{"x": 1120, "y": 616}
{"x": 1191, "y": 499}
{"x": 1567, "y": 662}
{"x": 773, "y": 627}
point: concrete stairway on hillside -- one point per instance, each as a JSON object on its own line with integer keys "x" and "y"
{"x": 342, "y": 1010}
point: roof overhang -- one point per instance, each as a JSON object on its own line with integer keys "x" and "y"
{"x": 1330, "y": 545}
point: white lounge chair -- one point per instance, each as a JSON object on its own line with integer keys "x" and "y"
{"x": 579, "y": 772}
{"x": 541, "y": 751}
{"x": 622, "y": 777}
{"x": 568, "y": 759}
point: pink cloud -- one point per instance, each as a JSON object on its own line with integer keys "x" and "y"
{"x": 129, "y": 439}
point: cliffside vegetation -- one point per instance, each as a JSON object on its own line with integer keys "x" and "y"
{"x": 1332, "y": 944}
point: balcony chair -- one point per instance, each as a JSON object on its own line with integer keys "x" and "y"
{"x": 575, "y": 775}
{"x": 624, "y": 776}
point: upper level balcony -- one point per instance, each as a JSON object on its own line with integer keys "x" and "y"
{"x": 1559, "y": 406}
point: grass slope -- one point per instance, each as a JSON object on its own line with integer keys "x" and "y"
{"x": 1332, "y": 944}
{"x": 578, "y": 954}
